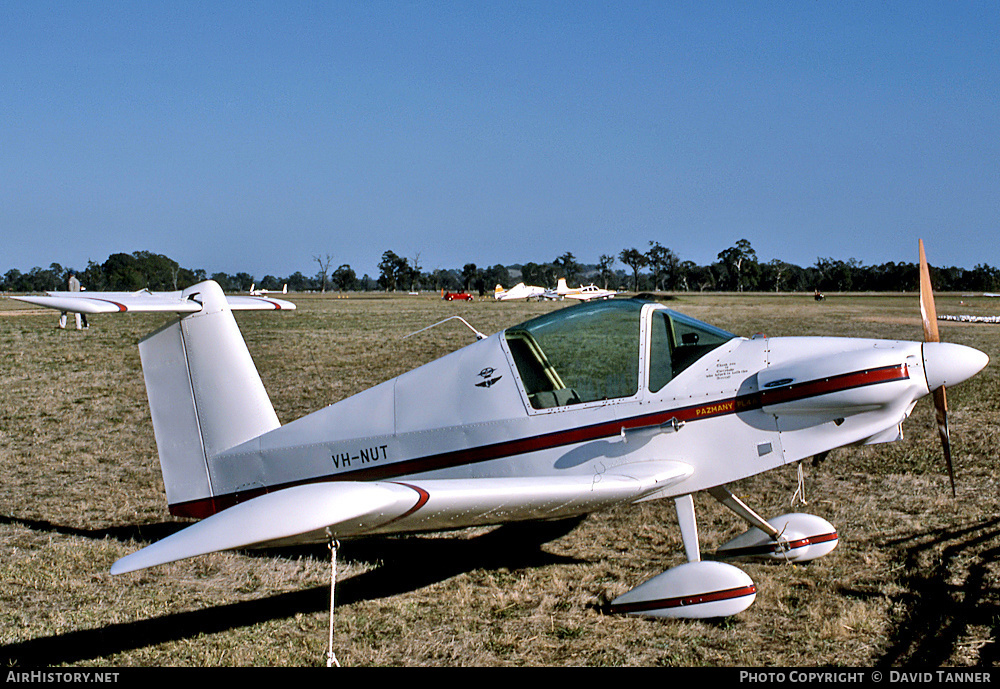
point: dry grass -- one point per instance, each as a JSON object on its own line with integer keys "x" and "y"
{"x": 915, "y": 580}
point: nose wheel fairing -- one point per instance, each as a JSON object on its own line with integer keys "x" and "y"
{"x": 701, "y": 589}
{"x": 696, "y": 589}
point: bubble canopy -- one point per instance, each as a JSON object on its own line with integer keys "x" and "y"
{"x": 592, "y": 352}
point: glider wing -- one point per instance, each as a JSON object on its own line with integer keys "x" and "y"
{"x": 145, "y": 301}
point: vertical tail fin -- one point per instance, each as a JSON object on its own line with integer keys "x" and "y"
{"x": 205, "y": 394}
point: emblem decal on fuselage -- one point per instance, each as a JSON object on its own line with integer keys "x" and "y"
{"x": 486, "y": 374}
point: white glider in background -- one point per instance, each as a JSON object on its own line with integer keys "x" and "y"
{"x": 181, "y": 301}
{"x": 262, "y": 292}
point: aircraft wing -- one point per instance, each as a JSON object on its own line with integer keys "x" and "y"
{"x": 245, "y": 303}
{"x": 316, "y": 512}
{"x": 292, "y": 513}
{"x": 450, "y": 503}
{"x": 145, "y": 301}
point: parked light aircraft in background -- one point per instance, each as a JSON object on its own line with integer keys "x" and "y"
{"x": 966, "y": 318}
{"x": 562, "y": 291}
{"x": 518, "y": 291}
{"x": 577, "y": 410}
{"x": 262, "y": 292}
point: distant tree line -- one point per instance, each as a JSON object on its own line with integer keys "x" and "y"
{"x": 655, "y": 269}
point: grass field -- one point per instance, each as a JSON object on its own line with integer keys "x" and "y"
{"x": 915, "y": 580}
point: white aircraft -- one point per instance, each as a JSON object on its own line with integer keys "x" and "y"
{"x": 525, "y": 424}
{"x": 262, "y": 292}
{"x": 182, "y": 301}
{"x": 518, "y": 291}
{"x": 965, "y": 318}
{"x": 586, "y": 293}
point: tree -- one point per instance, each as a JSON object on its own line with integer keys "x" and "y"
{"x": 741, "y": 261}
{"x": 415, "y": 269}
{"x": 297, "y": 282}
{"x": 567, "y": 267}
{"x": 663, "y": 264}
{"x": 496, "y": 275}
{"x": 835, "y": 275}
{"x": 538, "y": 274}
{"x": 225, "y": 281}
{"x": 705, "y": 277}
{"x": 773, "y": 271}
{"x": 636, "y": 260}
{"x": 59, "y": 275}
{"x": 122, "y": 273}
{"x": 684, "y": 271}
{"x": 387, "y": 270}
{"x": 470, "y": 274}
{"x": 395, "y": 271}
{"x": 324, "y": 270}
{"x": 269, "y": 282}
{"x": 446, "y": 280}
{"x": 243, "y": 281}
{"x": 12, "y": 280}
{"x": 158, "y": 270}
{"x": 604, "y": 264}
{"x": 984, "y": 278}
{"x": 345, "y": 278}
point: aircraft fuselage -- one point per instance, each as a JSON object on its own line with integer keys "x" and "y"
{"x": 743, "y": 407}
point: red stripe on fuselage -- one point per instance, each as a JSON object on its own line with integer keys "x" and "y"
{"x": 484, "y": 453}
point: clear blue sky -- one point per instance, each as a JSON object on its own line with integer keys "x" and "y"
{"x": 251, "y": 136}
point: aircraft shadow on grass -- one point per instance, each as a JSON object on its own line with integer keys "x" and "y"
{"x": 940, "y": 614}
{"x": 125, "y": 534}
{"x": 407, "y": 563}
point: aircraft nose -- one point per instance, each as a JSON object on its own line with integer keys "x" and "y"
{"x": 946, "y": 363}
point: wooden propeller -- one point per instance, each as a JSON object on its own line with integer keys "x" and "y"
{"x": 928, "y": 314}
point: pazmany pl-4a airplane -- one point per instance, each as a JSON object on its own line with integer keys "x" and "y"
{"x": 587, "y": 407}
